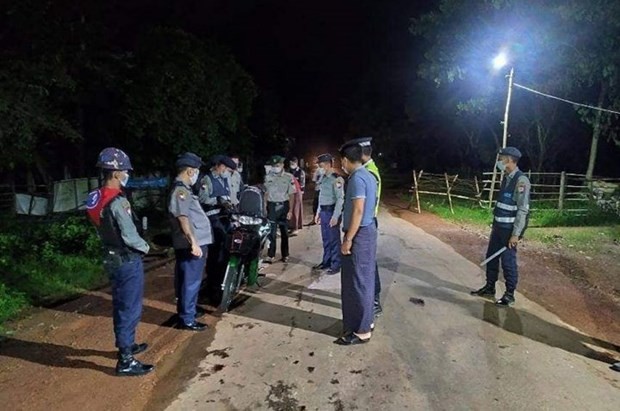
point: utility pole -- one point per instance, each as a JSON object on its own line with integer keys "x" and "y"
{"x": 505, "y": 135}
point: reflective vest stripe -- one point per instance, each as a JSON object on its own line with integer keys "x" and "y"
{"x": 507, "y": 207}
{"x": 508, "y": 220}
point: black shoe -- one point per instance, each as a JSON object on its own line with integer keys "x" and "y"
{"x": 615, "y": 366}
{"x": 507, "y": 300}
{"x": 486, "y": 291}
{"x": 332, "y": 271}
{"x": 128, "y": 366}
{"x": 195, "y": 326}
{"x": 319, "y": 267}
{"x": 378, "y": 310}
{"x": 139, "y": 348}
{"x": 310, "y": 224}
{"x": 351, "y": 339}
{"x": 284, "y": 259}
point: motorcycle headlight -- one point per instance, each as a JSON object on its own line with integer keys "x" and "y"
{"x": 247, "y": 220}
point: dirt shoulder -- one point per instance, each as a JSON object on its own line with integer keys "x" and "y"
{"x": 583, "y": 290}
{"x": 65, "y": 355}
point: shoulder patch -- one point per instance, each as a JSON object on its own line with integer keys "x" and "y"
{"x": 521, "y": 187}
{"x": 93, "y": 199}
{"x": 182, "y": 194}
{"x": 126, "y": 206}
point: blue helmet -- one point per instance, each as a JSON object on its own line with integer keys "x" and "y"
{"x": 113, "y": 159}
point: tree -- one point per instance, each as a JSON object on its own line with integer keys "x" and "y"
{"x": 554, "y": 50}
{"x": 184, "y": 95}
{"x": 594, "y": 35}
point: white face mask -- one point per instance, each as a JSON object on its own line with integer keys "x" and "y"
{"x": 240, "y": 169}
{"x": 226, "y": 174}
{"x": 194, "y": 178}
{"x": 125, "y": 179}
{"x": 293, "y": 166}
{"x": 276, "y": 170}
{"x": 321, "y": 171}
{"x": 501, "y": 166}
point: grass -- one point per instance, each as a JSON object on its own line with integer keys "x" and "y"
{"x": 594, "y": 231}
{"x": 42, "y": 262}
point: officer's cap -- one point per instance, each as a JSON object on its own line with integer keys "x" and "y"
{"x": 189, "y": 160}
{"x": 276, "y": 160}
{"x": 227, "y": 161}
{"x": 362, "y": 142}
{"x": 510, "y": 151}
{"x": 325, "y": 158}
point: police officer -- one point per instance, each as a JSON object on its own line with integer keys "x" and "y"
{"x": 215, "y": 197}
{"x": 111, "y": 213}
{"x": 316, "y": 179}
{"x": 191, "y": 236}
{"x": 369, "y": 163}
{"x": 331, "y": 200}
{"x": 280, "y": 190}
{"x": 296, "y": 222}
{"x": 509, "y": 223}
{"x": 359, "y": 248}
{"x": 235, "y": 181}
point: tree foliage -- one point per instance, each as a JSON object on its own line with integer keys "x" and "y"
{"x": 559, "y": 47}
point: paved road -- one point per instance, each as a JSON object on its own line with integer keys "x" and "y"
{"x": 275, "y": 351}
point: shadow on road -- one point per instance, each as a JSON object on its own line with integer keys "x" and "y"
{"x": 390, "y": 264}
{"x": 96, "y": 306}
{"x": 53, "y": 355}
{"x": 527, "y": 325}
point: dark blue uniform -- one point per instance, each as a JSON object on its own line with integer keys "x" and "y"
{"x": 189, "y": 268}
{"x": 514, "y": 193}
{"x": 215, "y": 192}
{"x": 123, "y": 249}
{"x": 331, "y": 201}
{"x": 358, "y": 268}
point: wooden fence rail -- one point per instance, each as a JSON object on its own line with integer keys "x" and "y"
{"x": 565, "y": 191}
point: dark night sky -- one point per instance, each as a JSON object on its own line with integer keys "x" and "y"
{"x": 315, "y": 55}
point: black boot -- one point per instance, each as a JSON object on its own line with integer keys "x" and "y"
{"x": 487, "y": 291}
{"x": 378, "y": 310}
{"x": 507, "y": 299}
{"x": 129, "y": 366}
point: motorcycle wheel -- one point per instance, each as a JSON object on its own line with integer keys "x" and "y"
{"x": 231, "y": 283}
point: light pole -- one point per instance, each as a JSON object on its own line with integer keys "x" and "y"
{"x": 498, "y": 63}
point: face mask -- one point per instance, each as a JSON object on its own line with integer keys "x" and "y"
{"x": 293, "y": 166}
{"x": 226, "y": 174}
{"x": 500, "y": 165}
{"x": 193, "y": 178}
{"x": 125, "y": 179}
{"x": 276, "y": 170}
{"x": 240, "y": 169}
{"x": 321, "y": 171}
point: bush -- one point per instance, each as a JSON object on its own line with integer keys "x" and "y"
{"x": 11, "y": 303}
{"x": 46, "y": 261}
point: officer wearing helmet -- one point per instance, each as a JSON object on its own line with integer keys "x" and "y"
{"x": 509, "y": 223}
{"x": 191, "y": 237}
{"x": 111, "y": 213}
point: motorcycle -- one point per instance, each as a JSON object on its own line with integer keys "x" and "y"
{"x": 245, "y": 241}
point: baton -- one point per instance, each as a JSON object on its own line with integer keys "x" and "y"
{"x": 497, "y": 254}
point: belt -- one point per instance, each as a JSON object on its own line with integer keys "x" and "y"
{"x": 328, "y": 207}
{"x": 278, "y": 202}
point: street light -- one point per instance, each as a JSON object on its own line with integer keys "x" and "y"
{"x": 499, "y": 62}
